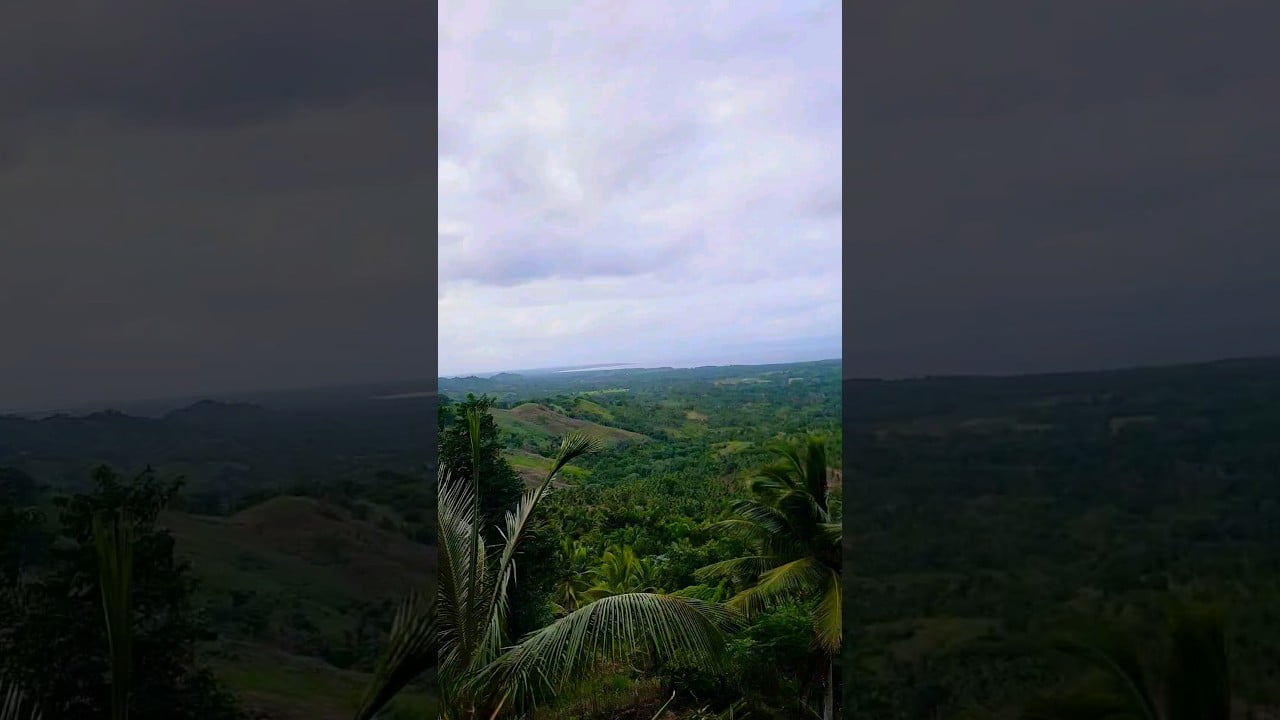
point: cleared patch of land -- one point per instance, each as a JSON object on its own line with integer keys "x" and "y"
{"x": 532, "y": 468}
{"x": 539, "y": 422}
{"x": 731, "y": 447}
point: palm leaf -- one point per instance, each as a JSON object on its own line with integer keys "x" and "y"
{"x": 464, "y": 629}
{"x": 815, "y": 469}
{"x": 413, "y": 649}
{"x": 518, "y": 522}
{"x": 783, "y": 582}
{"x": 574, "y": 446}
{"x": 827, "y": 618}
{"x": 14, "y": 705}
{"x": 611, "y": 628}
{"x": 1115, "y": 656}
{"x": 741, "y": 568}
{"x": 113, "y": 545}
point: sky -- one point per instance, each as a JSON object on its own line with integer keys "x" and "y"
{"x": 201, "y": 196}
{"x": 655, "y": 183}
{"x": 1042, "y": 185}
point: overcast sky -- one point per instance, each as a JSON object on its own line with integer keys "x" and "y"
{"x": 202, "y": 196}
{"x": 642, "y": 182}
{"x": 1045, "y": 185}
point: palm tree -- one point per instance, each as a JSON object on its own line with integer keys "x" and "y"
{"x": 572, "y": 589}
{"x": 462, "y": 633}
{"x": 622, "y": 571}
{"x": 1196, "y": 679}
{"x": 793, "y": 522}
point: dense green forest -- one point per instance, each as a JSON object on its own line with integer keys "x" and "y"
{"x": 288, "y": 535}
{"x": 1031, "y": 547}
{"x": 648, "y": 514}
{"x": 986, "y": 516}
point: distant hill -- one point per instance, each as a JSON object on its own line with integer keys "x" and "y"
{"x": 539, "y": 421}
{"x": 515, "y": 386}
{"x": 872, "y": 400}
{"x": 226, "y": 450}
{"x": 281, "y": 399}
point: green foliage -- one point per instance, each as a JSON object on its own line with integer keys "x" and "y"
{"x": 22, "y": 536}
{"x": 1193, "y": 674}
{"x": 58, "y": 648}
{"x": 500, "y": 490}
{"x": 791, "y": 523}
{"x": 296, "y": 590}
{"x": 1034, "y": 504}
{"x": 463, "y": 634}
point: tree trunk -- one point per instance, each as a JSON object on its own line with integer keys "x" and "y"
{"x": 829, "y": 699}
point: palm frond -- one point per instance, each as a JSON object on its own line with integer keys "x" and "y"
{"x": 113, "y": 545}
{"x": 755, "y": 520}
{"x": 612, "y": 628}
{"x": 828, "y": 621}
{"x": 815, "y": 469}
{"x": 748, "y": 567}
{"x": 496, "y": 605}
{"x": 574, "y": 446}
{"x": 14, "y": 704}
{"x": 461, "y": 562}
{"x": 781, "y": 583}
{"x": 1115, "y": 655}
{"x": 413, "y": 649}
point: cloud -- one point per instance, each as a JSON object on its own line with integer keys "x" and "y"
{"x": 1055, "y": 185}
{"x": 213, "y": 196}
{"x": 204, "y": 62}
{"x": 667, "y": 173}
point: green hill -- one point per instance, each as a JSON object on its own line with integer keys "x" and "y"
{"x": 532, "y": 422}
{"x": 298, "y": 590}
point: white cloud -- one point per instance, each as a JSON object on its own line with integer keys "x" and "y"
{"x": 636, "y": 182}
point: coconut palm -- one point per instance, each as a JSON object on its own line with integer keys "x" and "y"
{"x": 462, "y": 634}
{"x": 572, "y": 589}
{"x": 793, "y": 522}
{"x": 623, "y": 571}
{"x": 1195, "y": 680}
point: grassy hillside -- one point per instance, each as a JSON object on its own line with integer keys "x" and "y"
{"x": 533, "y": 468}
{"x": 291, "y": 543}
{"x": 532, "y": 422}
{"x": 299, "y": 590}
{"x": 274, "y": 685}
